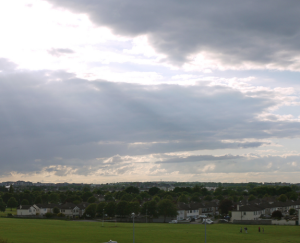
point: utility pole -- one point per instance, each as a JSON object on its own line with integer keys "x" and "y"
{"x": 103, "y": 218}
{"x": 133, "y": 214}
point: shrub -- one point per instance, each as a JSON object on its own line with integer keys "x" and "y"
{"x": 9, "y": 215}
{"x": 277, "y": 214}
{"x": 61, "y": 215}
{"x": 49, "y": 215}
{"x": 292, "y": 211}
{"x": 56, "y": 210}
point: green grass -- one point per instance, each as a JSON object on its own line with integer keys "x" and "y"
{"x": 43, "y": 230}
{"x": 4, "y": 214}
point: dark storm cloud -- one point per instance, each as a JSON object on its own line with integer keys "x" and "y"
{"x": 51, "y": 118}
{"x": 232, "y": 31}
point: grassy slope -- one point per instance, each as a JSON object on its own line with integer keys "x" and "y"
{"x": 29, "y": 230}
{"x": 14, "y": 212}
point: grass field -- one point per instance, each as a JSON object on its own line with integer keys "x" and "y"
{"x": 34, "y": 230}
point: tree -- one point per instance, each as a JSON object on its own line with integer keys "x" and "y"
{"x": 45, "y": 198}
{"x": 24, "y": 202}
{"x": 56, "y": 210}
{"x": 138, "y": 198}
{"x": 251, "y": 198}
{"x": 277, "y": 214}
{"x": 91, "y": 210}
{"x": 122, "y": 208}
{"x": 166, "y": 208}
{"x": 144, "y": 195}
{"x": 195, "y": 199}
{"x": 225, "y": 206}
{"x": 38, "y": 200}
{"x": 292, "y": 196}
{"x": 208, "y": 198}
{"x": 282, "y": 198}
{"x": 183, "y": 198}
{"x": 86, "y": 188}
{"x": 6, "y": 197}
{"x": 2, "y": 205}
{"x": 292, "y": 211}
{"x": 156, "y": 199}
{"x": 100, "y": 208}
{"x": 127, "y": 197}
{"x": 53, "y": 198}
{"x": 196, "y": 188}
{"x": 86, "y": 195}
{"x": 132, "y": 190}
{"x": 153, "y": 191}
{"x": 110, "y": 209}
{"x": 108, "y": 197}
{"x": 11, "y": 189}
{"x": 150, "y": 208}
{"x": 12, "y": 203}
{"x": 63, "y": 197}
{"x": 133, "y": 207}
{"x": 204, "y": 191}
{"x": 92, "y": 199}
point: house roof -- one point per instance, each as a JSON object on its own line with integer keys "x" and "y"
{"x": 82, "y": 205}
{"x": 67, "y": 206}
{"x": 52, "y": 205}
{"x": 24, "y": 206}
{"x": 250, "y": 208}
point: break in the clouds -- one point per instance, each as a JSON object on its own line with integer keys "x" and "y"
{"x": 230, "y": 34}
{"x": 101, "y": 91}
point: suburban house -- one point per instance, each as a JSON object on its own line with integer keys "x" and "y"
{"x": 193, "y": 210}
{"x": 81, "y": 207}
{"x": 248, "y": 212}
{"x": 42, "y": 209}
{"x": 67, "y": 209}
{"x": 187, "y": 210}
{"x": 209, "y": 208}
{"x": 26, "y": 210}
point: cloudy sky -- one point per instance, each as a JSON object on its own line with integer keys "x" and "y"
{"x": 137, "y": 90}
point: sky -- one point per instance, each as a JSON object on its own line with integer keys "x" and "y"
{"x": 134, "y": 90}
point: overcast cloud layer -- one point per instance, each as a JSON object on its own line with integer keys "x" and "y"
{"x": 231, "y": 33}
{"x": 103, "y": 91}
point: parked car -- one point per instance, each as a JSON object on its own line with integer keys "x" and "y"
{"x": 208, "y": 221}
{"x": 223, "y": 221}
{"x": 173, "y": 222}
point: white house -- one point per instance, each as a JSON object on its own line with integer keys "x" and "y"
{"x": 26, "y": 210}
{"x": 248, "y": 212}
{"x": 187, "y": 210}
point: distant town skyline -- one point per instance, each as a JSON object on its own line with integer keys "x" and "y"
{"x": 98, "y": 91}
